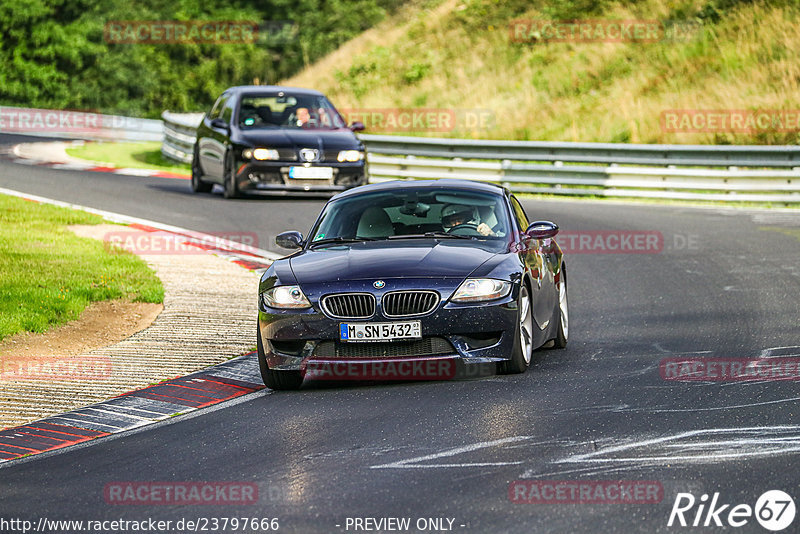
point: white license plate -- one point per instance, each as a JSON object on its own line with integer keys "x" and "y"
{"x": 380, "y": 331}
{"x": 311, "y": 173}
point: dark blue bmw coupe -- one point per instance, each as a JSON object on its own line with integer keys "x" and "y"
{"x": 412, "y": 280}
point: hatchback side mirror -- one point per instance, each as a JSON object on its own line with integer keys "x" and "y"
{"x": 357, "y": 126}
{"x": 219, "y": 124}
{"x": 542, "y": 230}
{"x": 291, "y": 239}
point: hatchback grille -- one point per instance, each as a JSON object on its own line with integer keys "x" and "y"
{"x": 287, "y": 154}
{"x": 349, "y": 305}
{"x": 329, "y": 155}
{"x": 408, "y": 303}
{"x": 428, "y": 346}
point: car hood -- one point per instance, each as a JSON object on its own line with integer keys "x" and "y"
{"x": 391, "y": 259}
{"x": 341, "y": 139}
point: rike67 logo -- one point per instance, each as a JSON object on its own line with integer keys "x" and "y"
{"x": 774, "y": 510}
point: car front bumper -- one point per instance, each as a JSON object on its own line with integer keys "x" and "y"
{"x": 272, "y": 177}
{"x": 308, "y": 341}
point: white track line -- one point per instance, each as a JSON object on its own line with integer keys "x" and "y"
{"x": 126, "y": 219}
{"x": 413, "y": 463}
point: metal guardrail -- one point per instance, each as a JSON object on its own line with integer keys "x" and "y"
{"x": 180, "y": 130}
{"x": 619, "y": 153}
{"x": 691, "y": 172}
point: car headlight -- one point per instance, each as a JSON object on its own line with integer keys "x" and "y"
{"x": 350, "y": 155}
{"x": 285, "y": 297}
{"x": 262, "y": 154}
{"x": 480, "y": 289}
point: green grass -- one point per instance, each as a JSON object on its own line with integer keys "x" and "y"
{"x": 459, "y": 55}
{"x": 48, "y": 275}
{"x": 146, "y": 155}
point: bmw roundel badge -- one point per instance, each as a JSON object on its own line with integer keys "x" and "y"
{"x": 379, "y": 284}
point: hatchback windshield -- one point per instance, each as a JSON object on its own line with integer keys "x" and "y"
{"x": 412, "y": 214}
{"x": 284, "y": 110}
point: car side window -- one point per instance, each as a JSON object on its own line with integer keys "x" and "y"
{"x": 519, "y": 213}
{"x": 217, "y": 109}
{"x": 227, "y": 110}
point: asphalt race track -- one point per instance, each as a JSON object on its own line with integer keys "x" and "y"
{"x": 722, "y": 284}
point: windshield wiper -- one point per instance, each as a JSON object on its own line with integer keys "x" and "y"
{"x": 339, "y": 240}
{"x": 437, "y": 235}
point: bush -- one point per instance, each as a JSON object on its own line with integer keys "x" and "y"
{"x": 54, "y": 53}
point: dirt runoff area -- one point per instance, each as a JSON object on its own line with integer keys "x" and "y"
{"x": 101, "y": 324}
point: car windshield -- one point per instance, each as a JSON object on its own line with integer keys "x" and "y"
{"x": 286, "y": 110}
{"x": 413, "y": 213}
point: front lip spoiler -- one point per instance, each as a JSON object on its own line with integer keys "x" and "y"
{"x": 300, "y": 363}
{"x": 280, "y": 189}
{"x": 432, "y": 368}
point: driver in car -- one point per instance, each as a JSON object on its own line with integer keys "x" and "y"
{"x": 303, "y": 118}
{"x": 455, "y": 215}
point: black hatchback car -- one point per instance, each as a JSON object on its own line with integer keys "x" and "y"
{"x": 269, "y": 139}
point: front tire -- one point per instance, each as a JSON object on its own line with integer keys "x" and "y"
{"x": 523, "y": 339}
{"x": 198, "y": 185}
{"x": 278, "y": 380}
{"x": 562, "y": 330}
{"x": 228, "y": 178}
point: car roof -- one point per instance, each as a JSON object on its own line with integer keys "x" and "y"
{"x": 405, "y": 185}
{"x": 239, "y": 89}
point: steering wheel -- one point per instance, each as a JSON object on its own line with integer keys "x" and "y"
{"x": 464, "y": 229}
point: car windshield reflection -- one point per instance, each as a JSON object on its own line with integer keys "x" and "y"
{"x": 282, "y": 110}
{"x": 436, "y": 213}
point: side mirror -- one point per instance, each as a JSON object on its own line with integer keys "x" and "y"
{"x": 357, "y": 126}
{"x": 291, "y": 239}
{"x": 542, "y": 230}
{"x": 219, "y": 124}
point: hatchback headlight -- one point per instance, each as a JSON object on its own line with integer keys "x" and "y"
{"x": 350, "y": 155}
{"x": 480, "y": 289}
{"x": 285, "y": 297}
{"x": 262, "y": 154}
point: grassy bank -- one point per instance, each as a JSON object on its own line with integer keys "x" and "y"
{"x": 131, "y": 155}
{"x": 460, "y": 55}
{"x": 48, "y": 275}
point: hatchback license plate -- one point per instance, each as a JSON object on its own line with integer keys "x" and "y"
{"x": 380, "y": 331}
{"x": 311, "y": 173}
